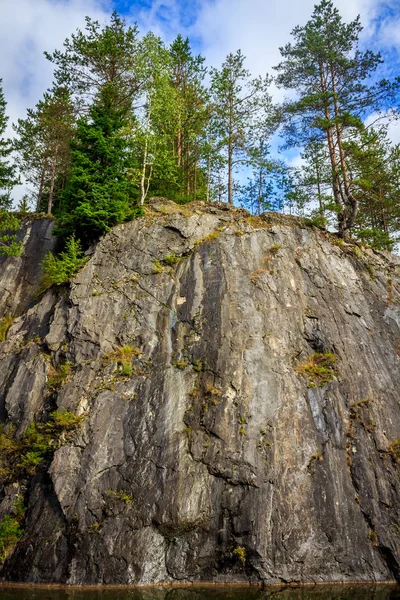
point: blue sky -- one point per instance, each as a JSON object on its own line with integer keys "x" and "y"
{"x": 215, "y": 27}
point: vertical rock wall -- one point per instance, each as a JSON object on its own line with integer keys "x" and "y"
{"x": 205, "y": 453}
{"x": 19, "y": 275}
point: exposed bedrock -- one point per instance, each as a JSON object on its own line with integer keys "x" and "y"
{"x": 207, "y": 452}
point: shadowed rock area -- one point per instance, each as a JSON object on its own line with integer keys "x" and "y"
{"x": 207, "y": 452}
{"x": 19, "y": 275}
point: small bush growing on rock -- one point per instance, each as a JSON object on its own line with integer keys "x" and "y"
{"x": 123, "y": 357}
{"x": 20, "y": 458}
{"x": 240, "y": 553}
{"x": 60, "y": 269}
{"x": 319, "y": 368}
{"x": 10, "y": 528}
{"x": 58, "y": 377}
{"x": 394, "y": 450}
{"x": 120, "y": 495}
{"x": 5, "y": 324}
{"x": 171, "y": 259}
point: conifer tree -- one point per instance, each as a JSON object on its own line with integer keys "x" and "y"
{"x": 99, "y": 193}
{"x": 7, "y": 169}
{"x": 98, "y": 58}
{"x": 192, "y": 112}
{"x": 375, "y": 166}
{"x": 43, "y": 146}
{"x": 237, "y": 101}
{"x": 330, "y": 75}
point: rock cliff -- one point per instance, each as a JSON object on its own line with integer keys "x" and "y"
{"x": 240, "y": 382}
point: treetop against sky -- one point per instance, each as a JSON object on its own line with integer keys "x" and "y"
{"x": 215, "y": 27}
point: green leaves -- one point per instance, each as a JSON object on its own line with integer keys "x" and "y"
{"x": 8, "y": 241}
{"x": 8, "y": 176}
{"x": 59, "y": 270}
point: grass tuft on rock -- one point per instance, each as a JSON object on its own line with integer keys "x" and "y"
{"x": 319, "y": 368}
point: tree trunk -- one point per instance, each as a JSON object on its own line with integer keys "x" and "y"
{"x": 230, "y": 154}
{"x": 337, "y": 192}
{"x": 53, "y": 175}
{"x": 351, "y": 202}
{"x": 143, "y": 188}
{"x": 41, "y": 186}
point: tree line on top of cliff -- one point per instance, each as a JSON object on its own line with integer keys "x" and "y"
{"x": 128, "y": 117}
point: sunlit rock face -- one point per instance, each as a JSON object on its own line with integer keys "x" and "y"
{"x": 215, "y": 446}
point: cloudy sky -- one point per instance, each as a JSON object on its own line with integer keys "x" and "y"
{"x": 215, "y": 27}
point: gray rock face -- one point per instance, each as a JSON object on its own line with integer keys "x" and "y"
{"x": 204, "y": 455}
{"x": 19, "y": 275}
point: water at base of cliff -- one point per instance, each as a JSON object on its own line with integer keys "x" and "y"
{"x": 319, "y": 592}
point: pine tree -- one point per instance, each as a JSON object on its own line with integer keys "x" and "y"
{"x": 99, "y": 193}
{"x": 98, "y": 58}
{"x": 237, "y": 101}
{"x": 331, "y": 77}
{"x": 7, "y": 170}
{"x": 43, "y": 146}
{"x": 375, "y": 166}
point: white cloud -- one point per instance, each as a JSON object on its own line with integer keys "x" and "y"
{"x": 27, "y": 29}
{"x": 257, "y": 27}
{"x": 260, "y": 27}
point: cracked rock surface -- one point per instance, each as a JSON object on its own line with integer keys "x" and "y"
{"x": 205, "y": 456}
{"x": 19, "y": 275}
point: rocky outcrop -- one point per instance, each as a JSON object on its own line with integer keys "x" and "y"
{"x": 218, "y": 443}
{"x": 19, "y": 275}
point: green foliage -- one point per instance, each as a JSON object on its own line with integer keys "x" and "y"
{"x": 5, "y": 324}
{"x": 7, "y": 171}
{"x": 336, "y": 89}
{"x": 99, "y": 193}
{"x": 21, "y": 457}
{"x": 120, "y": 495}
{"x": 58, "y": 377}
{"x": 171, "y": 259}
{"x": 10, "y": 528}
{"x": 240, "y": 553}
{"x": 319, "y": 368}
{"x": 42, "y": 146}
{"x": 237, "y": 100}
{"x": 317, "y": 221}
{"x": 8, "y": 241}
{"x": 60, "y": 269}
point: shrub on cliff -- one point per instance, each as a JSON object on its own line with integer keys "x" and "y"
{"x": 60, "y": 269}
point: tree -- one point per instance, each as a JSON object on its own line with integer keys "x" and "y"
{"x": 332, "y": 79}
{"x": 7, "y": 171}
{"x": 262, "y": 189}
{"x": 100, "y": 58}
{"x": 192, "y": 114}
{"x": 98, "y": 193}
{"x": 237, "y": 101}
{"x": 375, "y": 166}
{"x": 8, "y": 240}
{"x": 155, "y": 121}
{"x": 43, "y": 146}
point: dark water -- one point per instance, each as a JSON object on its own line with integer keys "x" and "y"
{"x": 338, "y": 592}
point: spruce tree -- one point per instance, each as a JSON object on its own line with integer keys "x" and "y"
{"x": 99, "y": 192}
{"x": 7, "y": 170}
